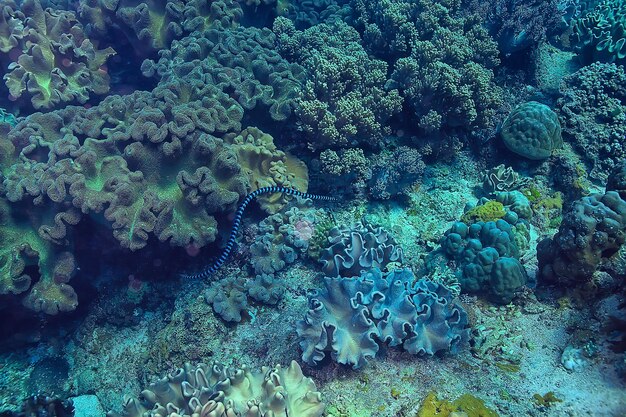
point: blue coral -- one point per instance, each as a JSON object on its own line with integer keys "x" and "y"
{"x": 351, "y": 317}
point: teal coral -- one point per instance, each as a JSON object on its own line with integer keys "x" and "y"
{"x": 599, "y": 34}
{"x": 350, "y": 316}
{"x": 350, "y": 250}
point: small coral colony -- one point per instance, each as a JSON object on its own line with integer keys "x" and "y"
{"x": 304, "y": 208}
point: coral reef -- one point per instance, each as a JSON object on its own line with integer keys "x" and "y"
{"x": 592, "y": 111}
{"x": 215, "y": 391}
{"x": 357, "y": 248}
{"x": 344, "y": 101}
{"x": 592, "y": 231}
{"x": 532, "y": 130}
{"x": 598, "y": 32}
{"x": 50, "y": 59}
{"x": 351, "y": 316}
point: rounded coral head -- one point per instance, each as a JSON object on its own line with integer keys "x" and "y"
{"x": 532, "y": 130}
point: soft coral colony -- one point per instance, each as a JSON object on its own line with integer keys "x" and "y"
{"x": 352, "y": 97}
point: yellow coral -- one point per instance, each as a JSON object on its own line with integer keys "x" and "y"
{"x": 465, "y": 405}
{"x": 490, "y": 211}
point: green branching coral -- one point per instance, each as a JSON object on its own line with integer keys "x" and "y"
{"x": 443, "y": 59}
{"x": 344, "y": 100}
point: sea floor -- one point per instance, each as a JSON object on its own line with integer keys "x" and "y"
{"x": 515, "y": 353}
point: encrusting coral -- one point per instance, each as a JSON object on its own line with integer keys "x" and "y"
{"x": 217, "y": 391}
{"x": 351, "y": 316}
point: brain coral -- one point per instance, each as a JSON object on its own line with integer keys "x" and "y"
{"x": 362, "y": 246}
{"x": 532, "y": 130}
{"x": 351, "y": 316}
{"x": 218, "y": 391}
{"x": 52, "y": 61}
{"x": 593, "y": 230}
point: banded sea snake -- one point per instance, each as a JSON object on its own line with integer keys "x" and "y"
{"x": 237, "y": 222}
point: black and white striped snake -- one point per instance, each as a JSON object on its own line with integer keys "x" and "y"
{"x": 237, "y": 222}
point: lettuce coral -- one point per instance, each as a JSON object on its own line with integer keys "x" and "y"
{"x": 351, "y": 316}
{"x": 56, "y": 62}
{"x": 216, "y": 391}
{"x": 357, "y": 248}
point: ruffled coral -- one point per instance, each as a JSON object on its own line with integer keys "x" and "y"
{"x": 599, "y": 33}
{"x": 256, "y": 74}
{"x": 56, "y": 62}
{"x": 350, "y": 316}
{"x": 216, "y": 391}
{"x": 357, "y": 248}
{"x": 152, "y": 25}
{"x": 157, "y": 164}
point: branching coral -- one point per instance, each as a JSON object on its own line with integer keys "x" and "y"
{"x": 52, "y": 61}
{"x": 216, "y": 391}
{"x": 351, "y": 316}
{"x": 443, "y": 60}
{"x": 592, "y": 110}
{"x": 344, "y": 101}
